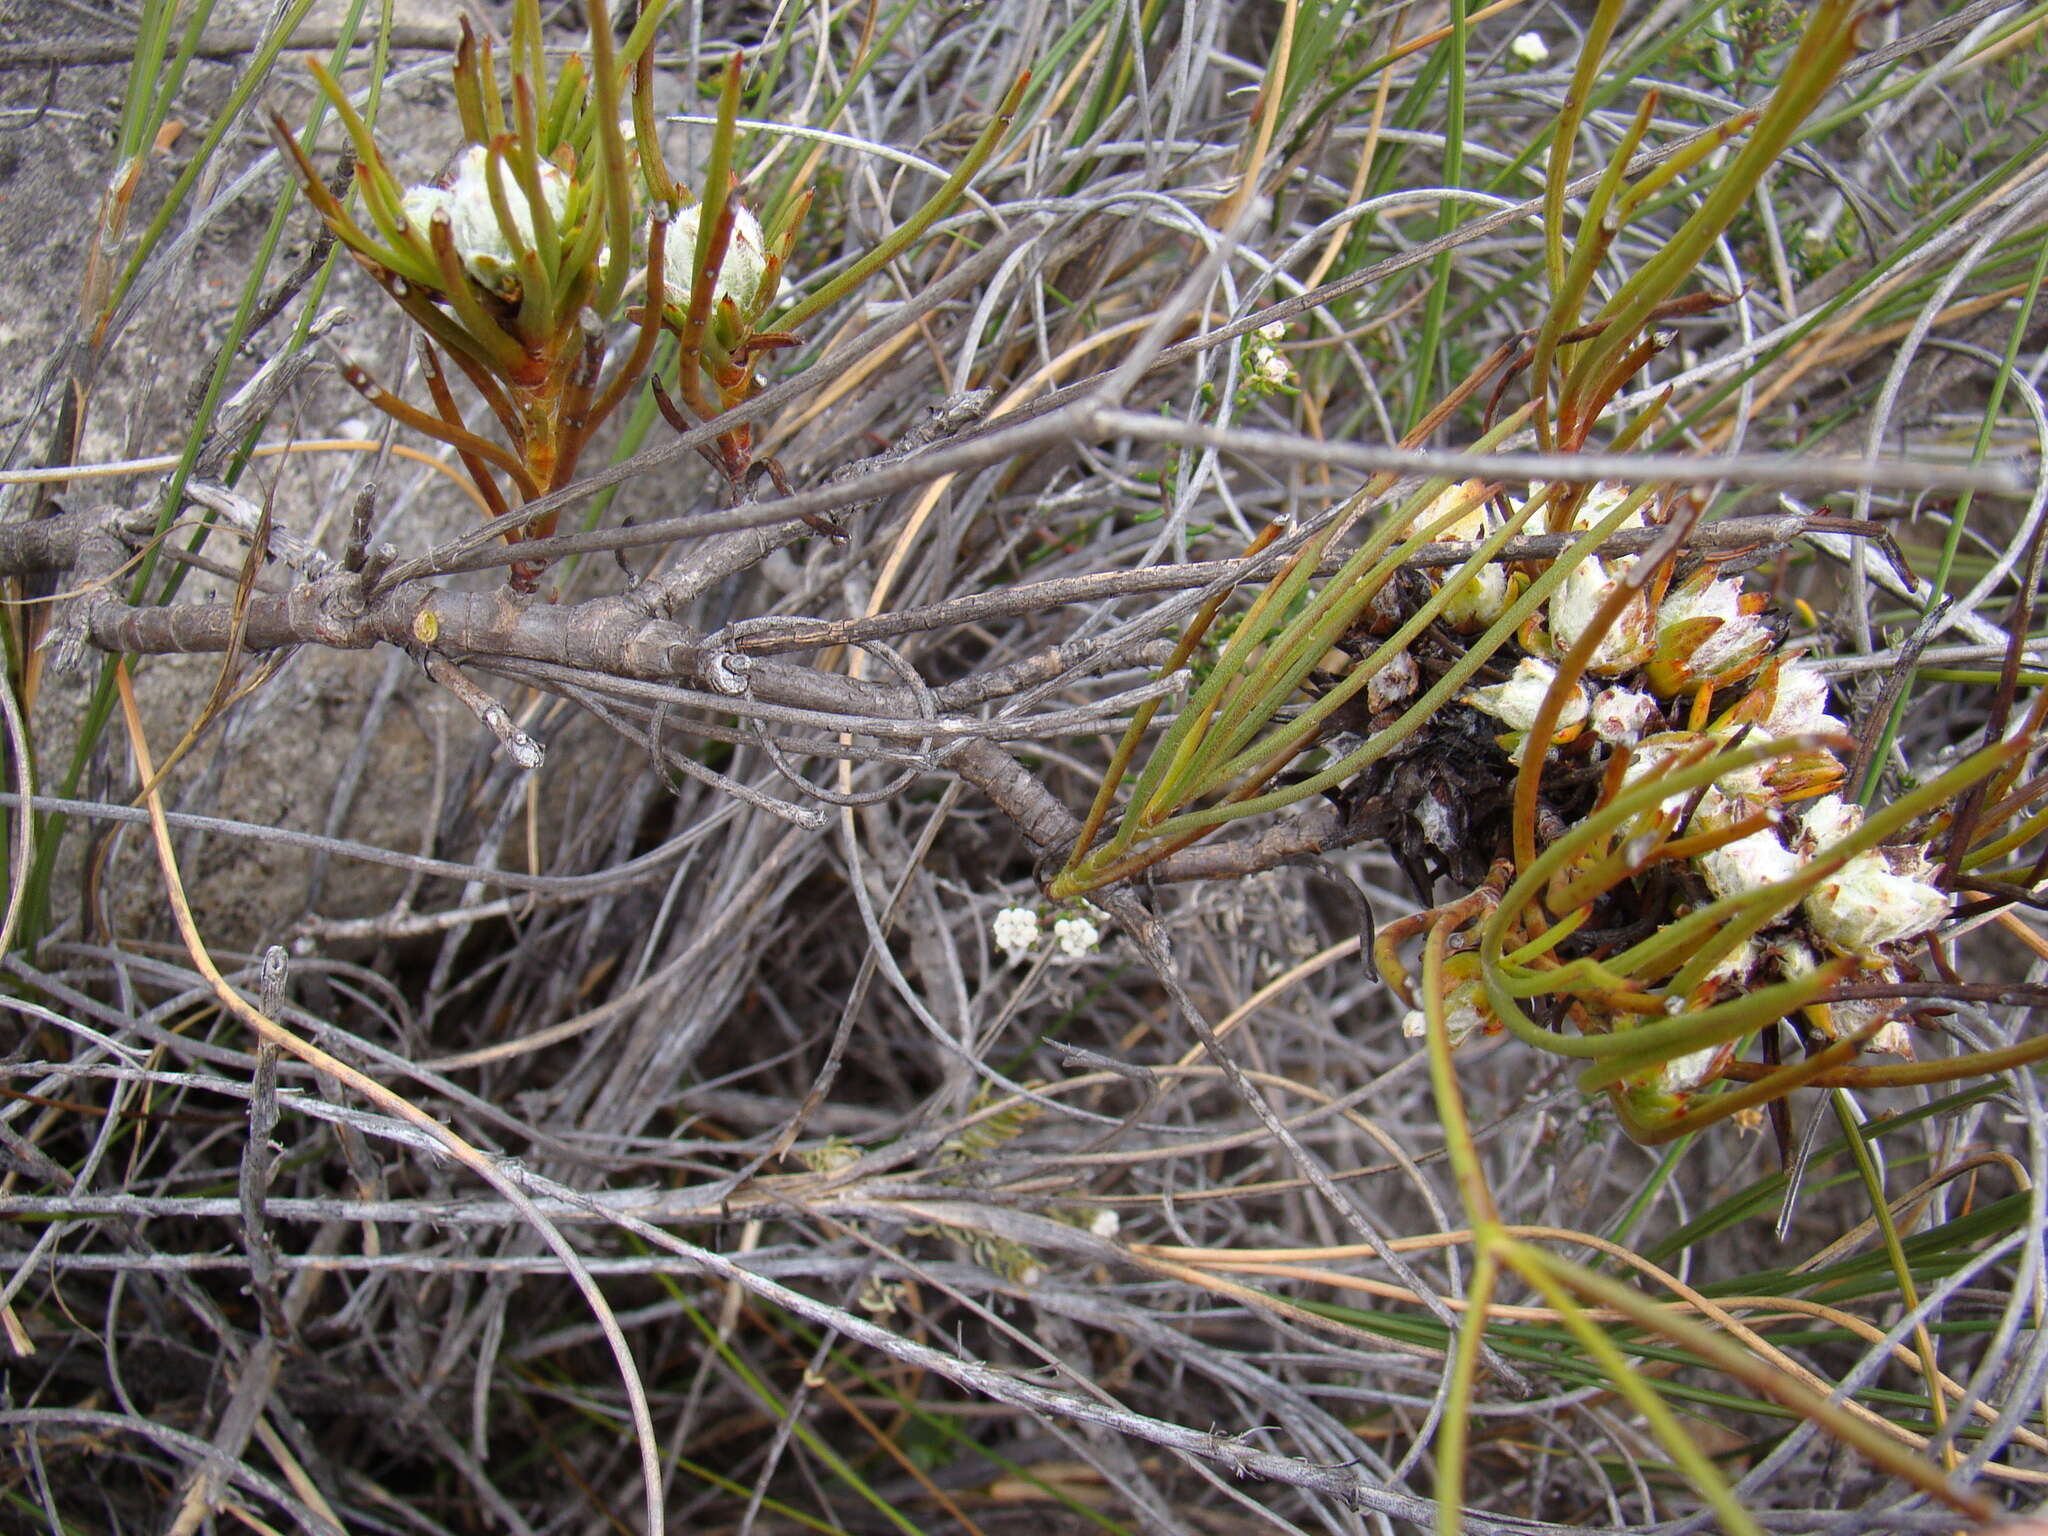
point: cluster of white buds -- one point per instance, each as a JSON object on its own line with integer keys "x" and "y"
{"x": 1016, "y": 933}
{"x": 1660, "y": 679}
{"x": 1530, "y": 49}
{"x": 491, "y": 253}
{"x": 1878, "y": 898}
{"x": 1266, "y": 370}
{"x": 479, "y": 235}
{"x": 1659, "y": 650}
{"x": 1077, "y": 937}
{"x": 1863, "y": 909}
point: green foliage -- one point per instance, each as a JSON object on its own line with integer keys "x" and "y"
{"x": 514, "y": 273}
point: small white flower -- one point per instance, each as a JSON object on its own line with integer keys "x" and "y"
{"x": 479, "y": 238}
{"x": 1472, "y": 523}
{"x": 1273, "y": 330}
{"x": 1728, "y": 651}
{"x": 1800, "y": 704}
{"x": 1463, "y": 1015}
{"x": 1622, "y": 715}
{"x": 1016, "y": 931}
{"x": 1516, "y": 701}
{"x": 1710, "y": 600}
{"x": 1479, "y": 601}
{"x": 1748, "y": 864}
{"x": 1826, "y": 822}
{"x": 1265, "y": 368}
{"x": 1104, "y": 1223}
{"x": 1881, "y": 897}
{"x": 1273, "y": 369}
{"x": 746, "y": 260}
{"x": 1077, "y": 937}
{"x": 1530, "y": 49}
{"x": 1393, "y": 683}
{"x": 1600, "y": 503}
{"x": 1574, "y": 606}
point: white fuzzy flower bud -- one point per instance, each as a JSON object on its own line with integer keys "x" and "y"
{"x": 1881, "y": 897}
{"x": 1748, "y": 864}
{"x": 1472, "y": 523}
{"x": 1826, "y": 822}
{"x": 1393, "y": 683}
{"x": 1684, "y": 1073}
{"x": 1482, "y": 597}
{"x": 1575, "y": 605}
{"x": 1516, "y": 701}
{"x": 746, "y": 260}
{"x": 1851, "y": 1016}
{"x": 1734, "y": 968}
{"x": 479, "y": 238}
{"x": 1077, "y": 937}
{"x": 1015, "y": 930}
{"x": 1530, "y": 49}
{"x": 1600, "y": 503}
{"x": 420, "y": 204}
{"x": 1708, "y": 600}
{"x": 1105, "y": 1223}
{"x": 1800, "y": 705}
{"x": 1722, "y": 805}
{"x": 1654, "y": 755}
{"x": 1478, "y": 601}
{"x": 1794, "y": 959}
{"x": 1703, "y": 636}
{"x": 1621, "y": 715}
{"x": 1735, "y": 796}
